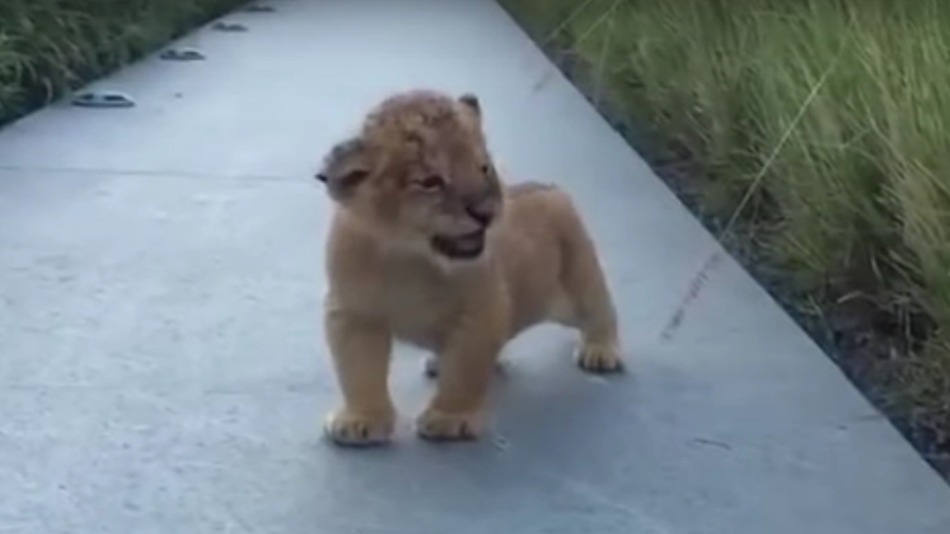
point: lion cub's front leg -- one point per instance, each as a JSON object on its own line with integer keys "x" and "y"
{"x": 466, "y": 368}
{"x": 360, "y": 348}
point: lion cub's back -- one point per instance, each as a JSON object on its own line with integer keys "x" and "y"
{"x": 537, "y": 210}
{"x": 540, "y": 225}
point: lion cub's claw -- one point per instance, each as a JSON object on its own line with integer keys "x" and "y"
{"x": 600, "y": 359}
{"x": 434, "y": 425}
{"x": 349, "y": 429}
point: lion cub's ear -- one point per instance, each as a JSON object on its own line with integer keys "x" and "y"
{"x": 344, "y": 168}
{"x": 472, "y": 102}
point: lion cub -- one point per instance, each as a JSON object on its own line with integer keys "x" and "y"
{"x": 427, "y": 246}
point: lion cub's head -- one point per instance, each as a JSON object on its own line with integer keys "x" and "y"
{"x": 419, "y": 173}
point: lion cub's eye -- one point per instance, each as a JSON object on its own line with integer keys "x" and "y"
{"x": 431, "y": 183}
{"x": 486, "y": 169}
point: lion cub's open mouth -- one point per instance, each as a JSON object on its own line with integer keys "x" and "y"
{"x": 463, "y": 247}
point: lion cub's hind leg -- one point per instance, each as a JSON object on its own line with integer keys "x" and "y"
{"x": 590, "y": 307}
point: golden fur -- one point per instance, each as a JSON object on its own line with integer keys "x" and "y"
{"x": 428, "y": 246}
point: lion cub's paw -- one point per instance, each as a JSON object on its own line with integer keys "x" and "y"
{"x": 596, "y": 358}
{"x": 351, "y": 429}
{"x": 434, "y": 425}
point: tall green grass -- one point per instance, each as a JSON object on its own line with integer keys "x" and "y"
{"x": 856, "y": 206}
{"x": 49, "y": 46}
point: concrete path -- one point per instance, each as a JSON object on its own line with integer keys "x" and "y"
{"x": 163, "y": 367}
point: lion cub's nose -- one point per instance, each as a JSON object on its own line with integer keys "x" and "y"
{"x": 483, "y": 214}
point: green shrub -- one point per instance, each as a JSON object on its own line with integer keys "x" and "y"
{"x": 50, "y": 46}
{"x": 856, "y": 205}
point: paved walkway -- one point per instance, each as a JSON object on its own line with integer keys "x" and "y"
{"x": 163, "y": 368}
